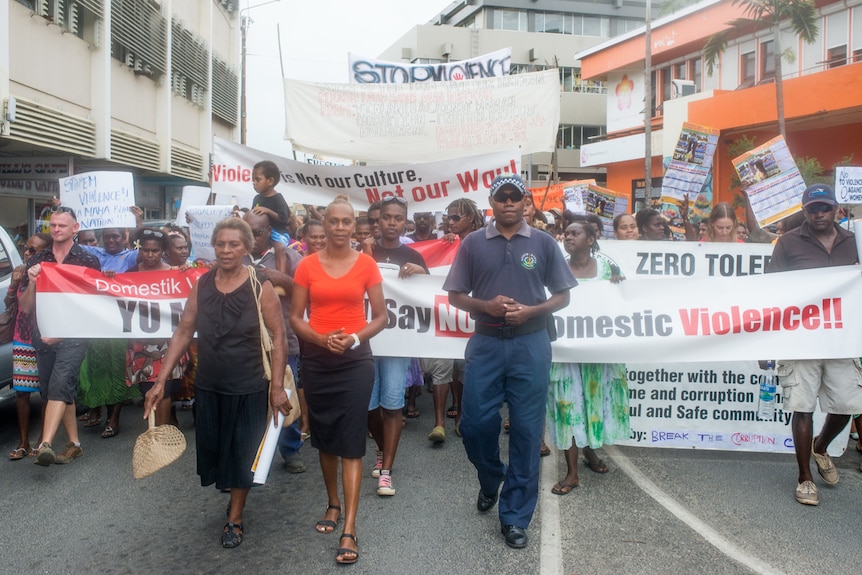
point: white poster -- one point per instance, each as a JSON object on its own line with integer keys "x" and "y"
{"x": 374, "y": 71}
{"x": 425, "y": 121}
{"x": 848, "y": 184}
{"x": 625, "y": 100}
{"x": 192, "y": 196}
{"x": 100, "y": 199}
{"x": 428, "y": 187}
{"x": 202, "y": 222}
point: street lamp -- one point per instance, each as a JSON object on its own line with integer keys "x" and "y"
{"x": 244, "y": 22}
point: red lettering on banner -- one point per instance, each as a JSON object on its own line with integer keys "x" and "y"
{"x": 224, "y": 173}
{"x": 702, "y": 321}
{"x": 449, "y": 320}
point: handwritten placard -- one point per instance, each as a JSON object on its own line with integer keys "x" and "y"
{"x": 203, "y": 220}
{"x": 100, "y": 199}
{"x": 192, "y": 196}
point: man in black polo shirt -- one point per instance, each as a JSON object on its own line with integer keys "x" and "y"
{"x": 499, "y": 275}
{"x": 58, "y": 360}
{"x": 819, "y": 242}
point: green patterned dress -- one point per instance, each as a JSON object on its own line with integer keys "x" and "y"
{"x": 588, "y": 401}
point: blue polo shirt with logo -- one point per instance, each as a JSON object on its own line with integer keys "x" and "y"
{"x": 488, "y": 265}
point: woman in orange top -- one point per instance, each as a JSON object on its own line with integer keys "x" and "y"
{"x": 337, "y": 367}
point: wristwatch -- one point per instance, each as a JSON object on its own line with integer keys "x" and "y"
{"x": 355, "y": 341}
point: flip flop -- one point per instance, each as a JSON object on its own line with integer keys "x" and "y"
{"x": 93, "y": 422}
{"x": 111, "y": 432}
{"x": 411, "y": 413}
{"x": 597, "y": 466}
{"x": 453, "y": 411}
{"x": 563, "y": 488}
{"x": 545, "y": 451}
{"x": 19, "y": 453}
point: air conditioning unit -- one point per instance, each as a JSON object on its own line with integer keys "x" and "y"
{"x": 682, "y": 88}
{"x": 446, "y": 49}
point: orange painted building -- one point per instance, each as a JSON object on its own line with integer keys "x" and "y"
{"x": 822, "y": 91}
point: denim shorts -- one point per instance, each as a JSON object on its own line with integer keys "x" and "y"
{"x": 390, "y": 379}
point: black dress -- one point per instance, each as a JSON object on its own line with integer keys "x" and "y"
{"x": 231, "y": 390}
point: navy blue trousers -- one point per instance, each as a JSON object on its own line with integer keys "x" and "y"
{"x": 516, "y": 371}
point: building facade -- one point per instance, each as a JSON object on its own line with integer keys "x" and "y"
{"x": 822, "y": 91}
{"x": 118, "y": 85}
{"x": 541, "y": 34}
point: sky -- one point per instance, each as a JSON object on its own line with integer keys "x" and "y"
{"x": 316, "y": 36}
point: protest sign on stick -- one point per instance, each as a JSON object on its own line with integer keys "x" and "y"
{"x": 100, "y": 199}
{"x": 686, "y": 175}
{"x": 771, "y": 180}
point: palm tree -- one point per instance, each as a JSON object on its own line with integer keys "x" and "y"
{"x": 758, "y": 14}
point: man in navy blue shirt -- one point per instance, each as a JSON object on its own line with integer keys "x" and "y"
{"x": 499, "y": 276}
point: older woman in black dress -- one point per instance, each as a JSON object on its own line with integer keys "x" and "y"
{"x": 230, "y": 385}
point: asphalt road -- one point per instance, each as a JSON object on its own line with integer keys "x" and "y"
{"x": 658, "y": 511}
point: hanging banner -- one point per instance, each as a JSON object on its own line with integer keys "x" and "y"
{"x": 100, "y": 199}
{"x": 428, "y": 187}
{"x": 427, "y": 120}
{"x": 374, "y": 71}
{"x": 771, "y": 180}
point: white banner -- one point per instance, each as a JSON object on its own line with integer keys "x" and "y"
{"x": 428, "y": 187}
{"x": 374, "y": 71}
{"x": 424, "y": 121}
{"x": 100, "y": 199}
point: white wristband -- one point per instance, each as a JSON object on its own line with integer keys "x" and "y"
{"x": 355, "y": 341}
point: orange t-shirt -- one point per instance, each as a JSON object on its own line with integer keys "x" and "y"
{"x": 337, "y": 302}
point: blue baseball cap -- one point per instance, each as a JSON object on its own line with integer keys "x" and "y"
{"x": 818, "y": 193}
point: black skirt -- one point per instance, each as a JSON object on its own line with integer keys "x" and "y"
{"x": 228, "y": 431}
{"x": 337, "y": 392}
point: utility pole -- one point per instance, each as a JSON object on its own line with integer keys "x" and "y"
{"x": 648, "y": 107}
{"x": 244, "y": 22}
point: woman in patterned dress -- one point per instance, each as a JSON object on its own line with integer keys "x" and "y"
{"x": 588, "y": 403}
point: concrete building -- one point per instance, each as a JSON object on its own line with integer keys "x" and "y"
{"x": 822, "y": 91}
{"x": 541, "y": 34}
{"x": 120, "y": 85}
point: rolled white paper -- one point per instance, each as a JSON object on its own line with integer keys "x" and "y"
{"x": 266, "y": 451}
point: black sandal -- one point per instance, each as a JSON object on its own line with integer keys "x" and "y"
{"x": 229, "y": 537}
{"x": 453, "y": 411}
{"x": 328, "y": 523}
{"x": 342, "y": 551}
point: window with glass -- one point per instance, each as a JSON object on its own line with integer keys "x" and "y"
{"x": 515, "y": 20}
{"x": 592, "y": 26}
{"x": 857, "y": 55}
{"x": 572, "y": 136}
{"x": 666, "y": 85}
{"x": 747, "y": 69}
{"x": 696, "y": 66}
{"x": 679, "y": 71}
{"x": 767, "y": 60}
{"x": 837, "y": 56}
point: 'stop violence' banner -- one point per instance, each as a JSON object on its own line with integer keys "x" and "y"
{"x": 424, "y": 121}
{"x": 374, "y": 71}
{"x": 428, "y": 187}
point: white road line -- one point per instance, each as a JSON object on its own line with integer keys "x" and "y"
{"x": 712, "y": 536}
{"x": 551, "y": 553}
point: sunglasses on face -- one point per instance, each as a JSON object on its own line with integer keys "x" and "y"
{"x": 258, "y": 233}
{"x": 390, "y": 199}
{"x": 501, "y": 196}
{"x": 818, "y": 208}
{"x": 373, "y": 221}
{"x": 29, "y": 250}
{"x": 455, "y": 218}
